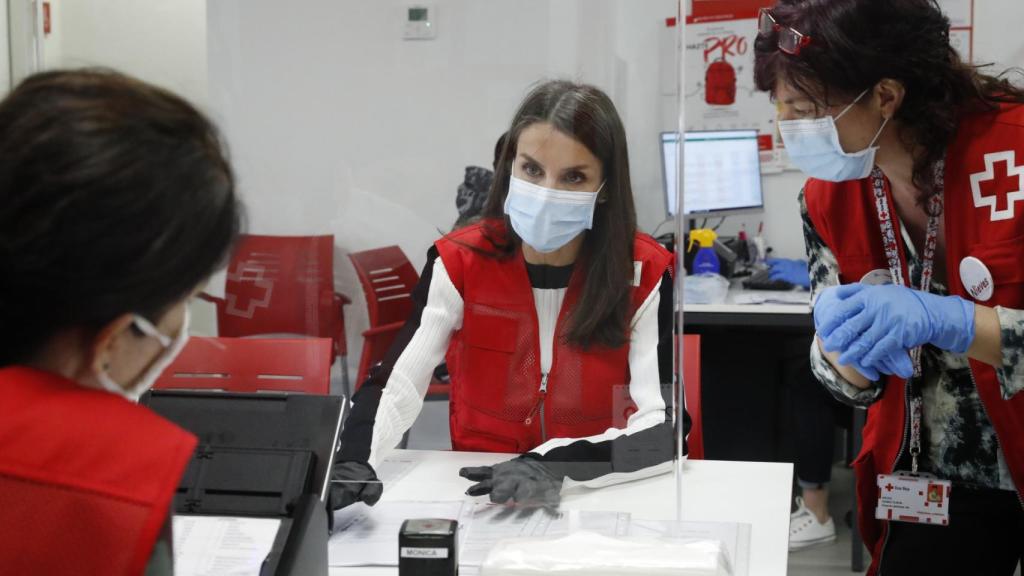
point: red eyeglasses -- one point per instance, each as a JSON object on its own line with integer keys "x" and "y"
{"x": 790, "y": 41}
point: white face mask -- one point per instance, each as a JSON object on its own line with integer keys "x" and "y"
{"x": 548, "y": 219}
{"x": 813, "y": 145}
{"x": 171, "y": 348}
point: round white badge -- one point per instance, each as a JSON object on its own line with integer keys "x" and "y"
{"x": 879, "y": 277}
{"x": 976, "y": 278}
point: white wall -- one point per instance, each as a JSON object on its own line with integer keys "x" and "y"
{"x": 5, "y": 52}
{"x": 781, "y": 216}
{"x": 339, "y": 126}
{"x": 20, "y": 21}
{"x": 160, "y": 41}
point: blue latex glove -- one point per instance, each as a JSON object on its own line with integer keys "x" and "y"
{"x": 792, "y": 271}
{"x": 869, "y": 324}
{"x": 894, "y": 361}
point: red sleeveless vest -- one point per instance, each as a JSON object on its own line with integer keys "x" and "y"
{"x": 494, "y": 360}
{"x": 86, "y": 477}
{"x": 984, "y": 218}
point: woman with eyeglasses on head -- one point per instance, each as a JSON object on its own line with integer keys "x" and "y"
{"x": 914, "y": 235}
{"x": 117, "y": 203}
{"x": 554, "y": 314}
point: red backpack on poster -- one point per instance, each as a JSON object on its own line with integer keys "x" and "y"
{"x": 720, "y": 83}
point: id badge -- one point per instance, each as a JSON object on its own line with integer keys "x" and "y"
{"x": 913, "y": 498}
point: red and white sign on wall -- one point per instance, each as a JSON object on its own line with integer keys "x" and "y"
{"x": 719, "y": 58}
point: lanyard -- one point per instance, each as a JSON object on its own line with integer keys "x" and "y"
{"x": 892, "y": 254}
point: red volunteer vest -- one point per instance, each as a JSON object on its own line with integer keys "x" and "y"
{"x": 86, "y": 477}
{"x": 984, "y": 218}
{"x": 494, "y": 359}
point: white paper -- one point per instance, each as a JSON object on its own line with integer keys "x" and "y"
{"x": 222, "y": 545}
{"x": 794, "y": 297}
{"x": 368, "y": 536}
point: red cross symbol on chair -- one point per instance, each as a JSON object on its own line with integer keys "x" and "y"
{"x": 1000, "y": 186}
{"x": 250, "y": 273}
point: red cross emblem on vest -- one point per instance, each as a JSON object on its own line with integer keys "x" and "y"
{"x": 1002, "y": 178}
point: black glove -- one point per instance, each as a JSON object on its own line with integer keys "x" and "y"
{"x": 353, "y": 482}
{"x": 524, "y": 481}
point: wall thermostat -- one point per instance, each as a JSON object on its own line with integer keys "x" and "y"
{"x": 420, "y": 22}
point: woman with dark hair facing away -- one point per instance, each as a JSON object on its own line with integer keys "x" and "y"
{"x": 116, "y": 204}
{"x": 914, "y": 235}
{"x": 549, "y": 310}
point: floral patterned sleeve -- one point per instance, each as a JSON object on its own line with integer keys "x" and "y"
{"x": 824, "y": 272}
{"x": 1011, "y": 373}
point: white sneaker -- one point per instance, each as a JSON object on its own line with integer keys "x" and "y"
{"x": 805, "y": 530}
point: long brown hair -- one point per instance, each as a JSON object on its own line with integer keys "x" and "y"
{"x": 586, "y": 114}
{"x": 857, "y": 43}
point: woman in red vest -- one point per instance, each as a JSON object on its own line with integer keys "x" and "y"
{"x": 116, "y": 203}
{"x": 914, "y": 232}
{"x": 550, "y": 312}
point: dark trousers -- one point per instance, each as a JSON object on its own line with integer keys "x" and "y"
{"x": 816, "y": 414}
{"x": 985, "y": 536}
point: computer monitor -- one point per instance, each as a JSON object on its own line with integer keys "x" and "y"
{"x": 722, "y": 172}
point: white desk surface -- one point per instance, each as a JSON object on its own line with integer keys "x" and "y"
{"x": 755, "y": 493}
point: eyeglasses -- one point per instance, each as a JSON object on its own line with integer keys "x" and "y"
{"x": 790, "y": 41}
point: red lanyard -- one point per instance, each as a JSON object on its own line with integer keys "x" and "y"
{"x": 892, "y": 254}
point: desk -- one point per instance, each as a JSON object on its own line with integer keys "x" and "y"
{"x": 733, "y": 313}
{"x": 748, "y": 492}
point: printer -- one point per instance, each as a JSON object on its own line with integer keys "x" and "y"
{"x": 264, "y": 455}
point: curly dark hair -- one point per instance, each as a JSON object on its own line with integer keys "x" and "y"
{"x": 857, "y": 43}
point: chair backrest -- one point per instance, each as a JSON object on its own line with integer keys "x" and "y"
{"x": 388, "y": 279}
{"x": 691, "y": 389}
{"x": 251, "y": 365}
{"x": 280, "y": 285}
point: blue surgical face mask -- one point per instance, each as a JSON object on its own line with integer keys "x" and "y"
{"x": 545, "y": 218}
{"x": 813, "y": 146}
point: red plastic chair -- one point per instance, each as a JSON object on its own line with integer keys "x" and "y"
{"x": 283, "y": 285}
{"x": 251, "y": 365}
{"x": 691, "y": 378}
{"x": 388, "y": 280}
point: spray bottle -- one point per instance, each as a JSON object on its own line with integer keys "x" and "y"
{"x": 706, "y": 261}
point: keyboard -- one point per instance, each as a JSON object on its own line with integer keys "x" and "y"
{"x": 761, "y": 280}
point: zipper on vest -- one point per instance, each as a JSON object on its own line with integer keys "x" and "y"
{"x": 538, "y": 408}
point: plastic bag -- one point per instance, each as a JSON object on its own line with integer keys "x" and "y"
{"x": 705, "y": 289}
{"x": 593, "y": 554}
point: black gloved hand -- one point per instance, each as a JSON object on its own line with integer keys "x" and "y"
{"x": 353, "y": 482}
{"x": 524, "y": 481}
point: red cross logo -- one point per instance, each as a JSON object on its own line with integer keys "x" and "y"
{"x": 889, "y": 487}
{"x": 250, "y": 273}
{"x": 1001, "y": 178}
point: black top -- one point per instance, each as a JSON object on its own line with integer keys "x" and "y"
{"x": 544, "y": 277}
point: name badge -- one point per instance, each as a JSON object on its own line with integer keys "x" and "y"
{"x": 913, "y": 498}
{"x": 976, "y": 278}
